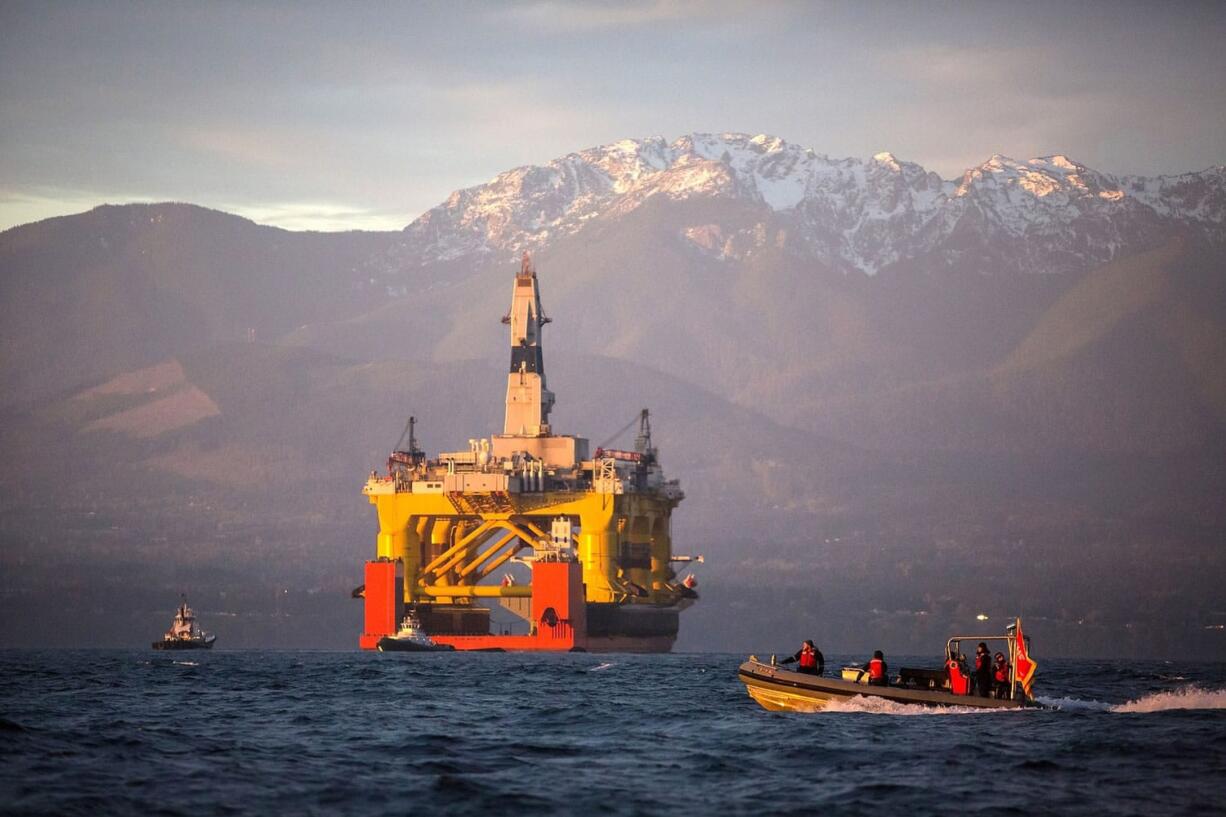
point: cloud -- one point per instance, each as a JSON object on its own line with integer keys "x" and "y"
{"x": 555, "y": 15}
{"x": 264, "y": 147}
{"x": 954, "y": 105}
{"x": 579, "y": 16}
{"x": 323, "y": 216}
{"x": 25, "y": 205}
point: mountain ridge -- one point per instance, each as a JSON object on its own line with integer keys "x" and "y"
{"x": 852, "y": 214}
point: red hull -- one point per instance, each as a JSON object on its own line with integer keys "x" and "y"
{"x": 559, "y": 610}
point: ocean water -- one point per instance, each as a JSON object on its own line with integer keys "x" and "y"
{"x": 139, "y": 732}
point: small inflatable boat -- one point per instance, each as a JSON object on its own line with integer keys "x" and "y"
{"x": 785, "y": 690}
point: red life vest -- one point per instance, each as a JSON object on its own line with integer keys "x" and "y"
{"x": 1002, "y": 671}
{"x": 808, "y": 659}
{"x": 876, "y": 669}
{"x": 959, "y": 684}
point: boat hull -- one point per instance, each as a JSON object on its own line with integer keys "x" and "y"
{"x": 389, "y": 644}
{"x": 185, "y": 643}
{"x": 782, "y": 690}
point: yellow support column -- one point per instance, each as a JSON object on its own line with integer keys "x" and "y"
{"x": 393, "y": 521}
{"x": 639, "y": 531}
{"x": 661, "y": 552}
{"x": 440, "y": 541}
{"x": 410, "y": 555}
{"x": 598, "y": 542}
{"x": 388, "y": 544}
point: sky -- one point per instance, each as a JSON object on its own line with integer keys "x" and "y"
{"x": 364, "y": 115}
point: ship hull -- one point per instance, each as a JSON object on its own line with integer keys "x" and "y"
{"x": 610, "y": 628}
{"x": 185, "y": 644}
{"x": 561, "y": 620}
{"x": 629, "y": 644}
{"x": 636, "y": 628}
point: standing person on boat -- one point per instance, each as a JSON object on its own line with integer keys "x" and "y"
{"x": 1000, "y": 676}
{"x": 808, "y": 659}
{"x": 983, "y": 671}
{"x": 878, "y": 670}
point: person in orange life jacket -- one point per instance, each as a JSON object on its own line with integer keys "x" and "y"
{"x": 878, "y": 671}
{"x": 808, "y": 659}
{"x": 983, "y": 671}
{"x": 1000, "y": 675}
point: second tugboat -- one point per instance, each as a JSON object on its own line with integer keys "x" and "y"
{"x": 185, "y": 633}
{"x": 411, "y": 638}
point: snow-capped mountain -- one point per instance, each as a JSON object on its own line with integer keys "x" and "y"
{"x": 1048, "y": 214}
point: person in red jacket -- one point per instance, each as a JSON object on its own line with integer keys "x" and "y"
{"x": 878, "y": 671}
{"x": 1000, "y": 675}
{"x": 808, "y": 659}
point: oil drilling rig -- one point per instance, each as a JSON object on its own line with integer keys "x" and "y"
{"x": 594, "y": 527}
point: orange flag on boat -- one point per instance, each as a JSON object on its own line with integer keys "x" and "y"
{"x": 1023, "y": 666}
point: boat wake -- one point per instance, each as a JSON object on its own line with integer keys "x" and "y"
{"x": 1189, "y": 697}
{"x": 882, "y": 706}
{"x": 1073, "y": 704}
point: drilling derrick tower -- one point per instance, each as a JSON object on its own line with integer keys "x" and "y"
{"x": 593, "y": 526}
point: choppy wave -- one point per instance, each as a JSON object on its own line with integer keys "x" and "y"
{"x": 523, "y": 735}
{"x": 1189, "y": 697}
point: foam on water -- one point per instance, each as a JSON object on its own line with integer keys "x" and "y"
{"x": 1189, "y": 697}
{"x": 881, "y": 706}
{"x": 1073, "y": 704}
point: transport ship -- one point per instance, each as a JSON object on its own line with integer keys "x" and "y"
{"x": 594, "y": 526}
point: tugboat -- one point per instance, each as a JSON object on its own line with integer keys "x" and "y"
{"x": 184, "y": 633}
{"x": 411, "y": 638}
{"x": 783, "y": 690}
